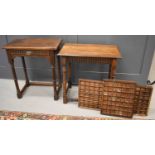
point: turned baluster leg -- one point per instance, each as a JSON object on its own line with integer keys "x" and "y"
{"x": 19, "y": 94}
{"x": 64, "y": 80}
{"x": 59, "y": 70}
{"x": 52, "y": 60}
{"x": 25, "y": 71}
{"x": 69, "y": 75}
{"x": 112, "y": 69}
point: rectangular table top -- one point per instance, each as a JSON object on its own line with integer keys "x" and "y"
{"x": 34, "y": 44}
{"x": 90, "y": 50}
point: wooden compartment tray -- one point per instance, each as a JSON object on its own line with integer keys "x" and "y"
{"x": 142, "y": 99}
{"x": 118, "y": 98}
{"x": 89, "y": 93}
{"x": 115, "y": 97}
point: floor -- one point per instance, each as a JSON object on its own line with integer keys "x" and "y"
{"x": 40, "y": 100}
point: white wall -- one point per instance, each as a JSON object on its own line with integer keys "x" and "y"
{"x": 152, "y": 70}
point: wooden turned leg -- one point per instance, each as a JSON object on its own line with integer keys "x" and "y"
{"x": 59, "y": 70}
{"x": 25, "y": 71}
{"x": 64, "y": 80}
{"x": 19, "y": 94}
{"x": 112, "y": 69}
{"x": 54, "y": 77}
{"x": 69, "y": 76}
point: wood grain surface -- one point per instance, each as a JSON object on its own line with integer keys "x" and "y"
{"x": 90, "y": 50}
{"x": 34, "y": 44}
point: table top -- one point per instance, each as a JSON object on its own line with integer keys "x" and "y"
{"x": 34, "y": 44}
{"x": 90, "y": 50}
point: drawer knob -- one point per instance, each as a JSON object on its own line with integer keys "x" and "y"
{"x": 28, "y": 52}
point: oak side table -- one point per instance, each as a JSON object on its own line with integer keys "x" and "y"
{"x": 35, "y": 47}
{"x": 87, "y": 53}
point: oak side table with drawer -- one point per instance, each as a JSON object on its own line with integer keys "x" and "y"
{"x": 35, "y": 47}
{"x": 87, "y": 53}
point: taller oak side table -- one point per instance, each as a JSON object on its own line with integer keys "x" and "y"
{"x": 35, "y": 47}
{"x": 87, "y": 53}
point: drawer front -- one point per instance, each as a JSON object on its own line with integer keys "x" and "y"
{"x": 30, "y": 53}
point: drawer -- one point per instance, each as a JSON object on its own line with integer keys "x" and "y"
{"x": 30, "y": 53}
